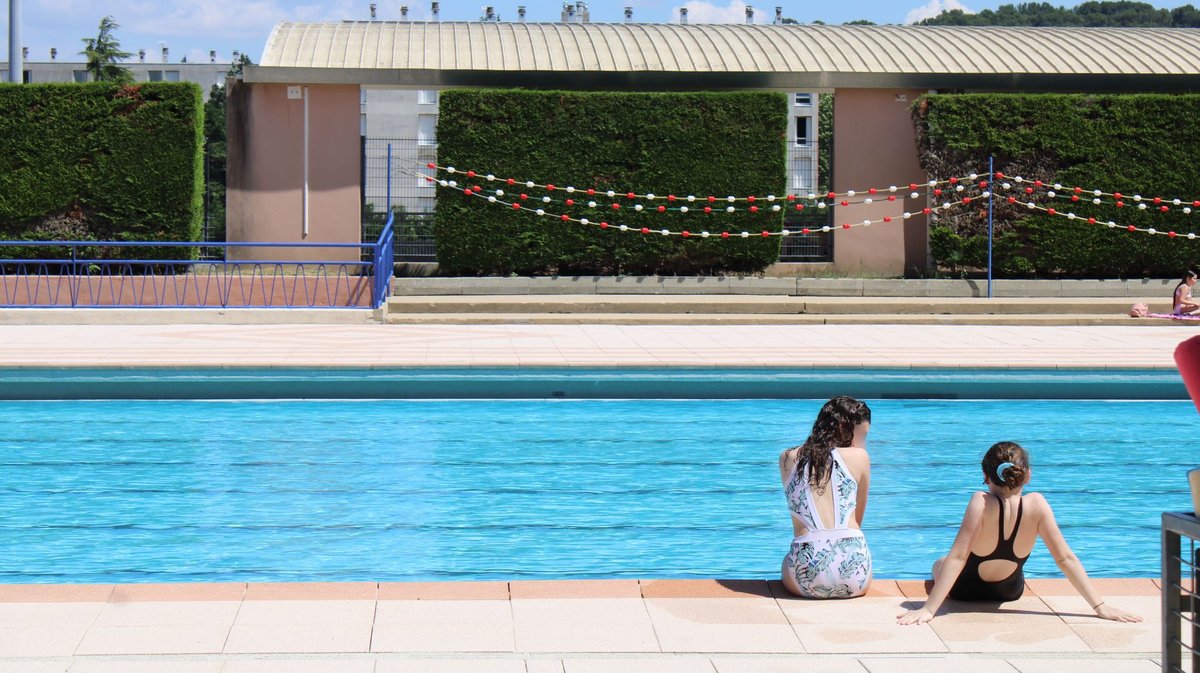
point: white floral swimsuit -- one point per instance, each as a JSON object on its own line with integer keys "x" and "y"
{"x": 831, "y": 562}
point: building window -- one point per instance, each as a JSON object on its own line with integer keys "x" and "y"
{"x": 155, "y": 75}
{"x": 804, "y": 100}
{"x": 27, "y": 76}
{"x": 80, "y": 75}
{"x": 171, "y": 75}
{"x": 427, "y": 97}
{"x": 426, "y": 129}
{"x": 803, "y": 131}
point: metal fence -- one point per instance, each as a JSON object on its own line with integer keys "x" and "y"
{"x": 1180, "y": 592}
{"x": 94, "y": 274}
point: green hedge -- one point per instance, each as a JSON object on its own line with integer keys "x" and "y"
{"x": 102, "y": 161}
{"x": 1135, "y": 144}
{"x": 704, "y": 144}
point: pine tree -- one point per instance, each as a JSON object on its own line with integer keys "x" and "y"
{"x": 103, "y": 52}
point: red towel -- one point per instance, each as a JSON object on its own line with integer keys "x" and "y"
{"x": 1187, "y": 357}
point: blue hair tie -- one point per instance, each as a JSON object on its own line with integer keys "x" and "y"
{"x": 1001, "y": 468}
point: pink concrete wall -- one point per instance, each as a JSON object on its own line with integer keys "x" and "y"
{"x": 264, "y": 198}
{"x": 874, "y": 145}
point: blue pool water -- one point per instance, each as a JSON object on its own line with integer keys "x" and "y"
{"x": 154, "y": 491}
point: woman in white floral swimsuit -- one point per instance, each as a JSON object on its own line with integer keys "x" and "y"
{"x": 826, "y": 480}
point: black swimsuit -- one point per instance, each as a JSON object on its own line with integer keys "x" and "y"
{"x": 971, "y": 587}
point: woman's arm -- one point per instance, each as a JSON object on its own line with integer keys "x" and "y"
{"x": 1069, "y": 563}
{"x": 952, "y": 566}
{"x": 785, "y": 466}
{"x": 864, "y": 486}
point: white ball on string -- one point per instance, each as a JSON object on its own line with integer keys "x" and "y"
{"x": 683, "y": 209}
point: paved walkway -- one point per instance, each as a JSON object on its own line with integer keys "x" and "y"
{"x": 584, "y": 627}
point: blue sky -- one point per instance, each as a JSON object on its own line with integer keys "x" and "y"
{"x": 190, "y": 28}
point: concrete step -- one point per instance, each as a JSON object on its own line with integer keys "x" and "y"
{"x": 1042, "y": 319}
{"x": 784, "y": 306}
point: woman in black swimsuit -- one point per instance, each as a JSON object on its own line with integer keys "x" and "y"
{"x": 997, "y": 534}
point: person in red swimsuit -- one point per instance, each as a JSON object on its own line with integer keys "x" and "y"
{"x": 997, "y": 535}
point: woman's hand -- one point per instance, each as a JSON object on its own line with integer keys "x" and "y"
{"x": 1117, "y": 615}
{"x": 918, "y": 616}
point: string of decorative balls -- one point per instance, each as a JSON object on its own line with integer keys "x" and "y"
{"x": 497, "y": 196}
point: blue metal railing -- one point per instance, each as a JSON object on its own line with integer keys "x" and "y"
{"x": 89, "y": 274}
{"x": 384, "y": 262}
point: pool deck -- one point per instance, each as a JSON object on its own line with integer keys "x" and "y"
{"x": 622, "y": 626}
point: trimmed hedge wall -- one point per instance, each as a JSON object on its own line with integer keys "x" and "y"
{"x": 1135, "y": 144}
{"x": 102, "y": 161}
{"x": 704, "y": 144}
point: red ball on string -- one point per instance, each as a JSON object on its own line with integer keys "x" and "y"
{"x": 1196, "y": 204}
{"x": 846, "y": 225}
{"x": 1120, "y": 204}
{"x": 891, "y": 197}
{"x": 431, "y": 165}
{"x": 750, "y": 198}
{"x": 630, "y": 195}
{"x": 1012, "y": 199}
{"x": 983, "y": 184}
{"x": 707, "y": 209}
{"x": 845, "y": 203}
{"x": 604, "y": 225}
{"x": 872, "y": 190}
{"x": 524, "y": 196}
{"x": 724, "y": 234}
{"x": 685, "y": 233}
{"x": 966, "y": 200}
{"x": 799, "y": 206}
{"x": 1037, "y": 183}
{"x": 791, "y": 197}
{"x": 616, "y": 206}
{"x": 566, "y": 218}
{"x": 1117, "y": 196}
{"x": 912, "y": 186}
{"x": 1171, "y": 234}
{"x": 1131, "y": 228}
{"x": 937, "y": 192}
{"x": 570, "y": 202}
{"x": 999, "y": 175}
{"x": 832, "y": 195}
{"x": 470, "y": 174}
{"x": 516, "y": 206}
{"x": 711, "y": 199}
{"x": 1051, "y": 211}
{"x": 549, "y": 188}
{"x": 1029, "y": 190}
{"x": 662, "y": 209}
{"x": 478, "y": 188}
{"x": 766, "y": 233}
{"x": 671, "y": 197}
{"x": 645, "y": 230}
{"x": 754, "y": 209}
{"x": 887, "y": 218}
{"x": 926, "y": 211}
{"x": 428, "y": 179}
{"x": 806, "y": 230}
{"x": 954, "y": 181}
{"x": 1075, "y": 197}
{"x": 591, "y": 192}
{"x": 1079, "y": 190}
{"x": 1164, "y": 208}
{"x": 1091, "y": 220}
{"x": 1157, "y": 200}
{"x": 511, "y": 181}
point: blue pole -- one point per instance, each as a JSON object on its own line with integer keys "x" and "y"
{"x": 389, "y": 179}
{"x": 991, "y": 193}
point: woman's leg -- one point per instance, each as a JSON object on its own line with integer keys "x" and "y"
{"x": 937, "y": 565}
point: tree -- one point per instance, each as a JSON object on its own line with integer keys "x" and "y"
{"x": 215, "y": 154}
{"x": 103, "y": 52}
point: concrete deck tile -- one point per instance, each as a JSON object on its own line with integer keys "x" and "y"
{"x": 183, "y": 591}
{"x": 883, "y": 588}
{"x": 918, "y": 589}
{"x": 1105, "y": 586}
{"x": 543, "y": 589}
{"x": 41, "y": 641}
{"x": 946, "y": 664}
{"x": 583, "y": 625}
{"x": 311, "y": 591}
{"x": 1084, "y": 665}
{"x": 296, "y": 638}
{"x": 443, "y": 591}
{"x": 443, "y": 626}
{"x": 306, "y": 665}
{"x": 1113, "y": 637}
{"x": 305, "y": 612}
{"x": 797, "y": 663}
{"x": 448, "y": 666}
{"x": 155, "y": 665}
{"x": 153, "y": 640}
{"x": 173, "y": 613}
{"x": 29, "y": 666}
{"x": 1075, "y": 610}
{"x": 721, "y": 625}
{"x": 1008, "y": 637}
{"x": 544, "y": 666}
{"x": 869, "y": 637}
{"x": 1025, "y": 610}
{"x": 668, "y": 664}
{"x": 23, "y": 615}
{"x": 51, "y": 593}
{"x": 865, "y": 610}
{"x": 705, "y": 589}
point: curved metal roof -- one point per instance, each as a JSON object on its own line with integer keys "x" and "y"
{"x": 601, "y": 55}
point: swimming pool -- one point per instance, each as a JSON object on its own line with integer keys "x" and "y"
{"x": 388, "y": 490}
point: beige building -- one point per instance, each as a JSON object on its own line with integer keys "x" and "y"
{"x": 296, "y": 121}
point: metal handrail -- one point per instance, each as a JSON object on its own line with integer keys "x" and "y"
{"x": 1179, "y": 602}
{"x": 384, "y": 262}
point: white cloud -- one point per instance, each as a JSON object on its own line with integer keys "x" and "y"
{"x": 707, "y": 12}
{"x": 932, "y": 9}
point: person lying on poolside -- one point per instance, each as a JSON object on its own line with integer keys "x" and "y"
{"x": 997, "y": 535}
